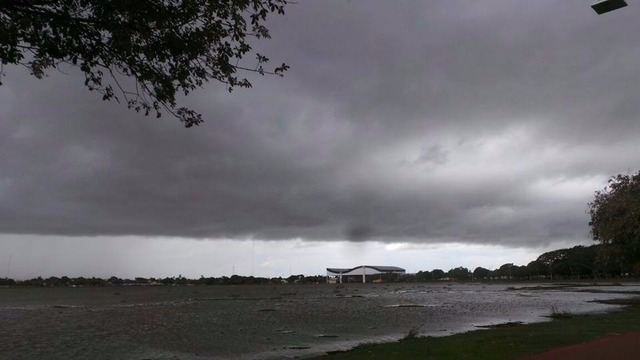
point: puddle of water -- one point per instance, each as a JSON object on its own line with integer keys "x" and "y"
{"x": 275, "y": 321}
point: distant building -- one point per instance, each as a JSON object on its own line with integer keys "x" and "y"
{"x": 361, "y": 273}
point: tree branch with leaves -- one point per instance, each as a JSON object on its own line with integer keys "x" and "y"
{"x": 142, "y": 53}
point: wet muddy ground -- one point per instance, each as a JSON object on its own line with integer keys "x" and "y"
{"x": 281, "y": 321}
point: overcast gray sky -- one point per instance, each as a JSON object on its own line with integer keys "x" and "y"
{"x": 423, "y": 133}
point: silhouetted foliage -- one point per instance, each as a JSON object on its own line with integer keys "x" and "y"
{"x": 615, "y": 221}
{"x": 577, "y": 262}
{"x": 422, "y": 276}
{"x": 7, "y": 282}
{"x": 504, "y": 272}
{"x": 460, "y": 274}
{"x": 143, "y": 52}
{"x": 481, "y": 273}
{"x": 537, "y": 269}
{"x": 437, "y": 274}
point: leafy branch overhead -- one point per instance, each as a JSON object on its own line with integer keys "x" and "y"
{"x": 140, "y": 52}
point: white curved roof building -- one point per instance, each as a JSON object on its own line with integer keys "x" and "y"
{"x": 364, "y": 271}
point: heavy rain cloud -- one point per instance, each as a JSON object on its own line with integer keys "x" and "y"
{"x": 428, "y": 122}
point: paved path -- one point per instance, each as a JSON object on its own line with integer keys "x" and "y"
{"x": 625, "y": 346}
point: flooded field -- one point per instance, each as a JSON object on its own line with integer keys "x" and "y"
{"x": 263, "y": 322}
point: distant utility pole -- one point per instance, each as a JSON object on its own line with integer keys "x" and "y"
{"x": 605, "y": 6}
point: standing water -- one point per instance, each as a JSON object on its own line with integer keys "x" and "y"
{"x": 254, "y": 322}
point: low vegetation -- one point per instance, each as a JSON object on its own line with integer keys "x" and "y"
{"x": 559, "y": 314}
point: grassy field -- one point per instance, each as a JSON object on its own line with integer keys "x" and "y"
{"x": 505, "y": 342}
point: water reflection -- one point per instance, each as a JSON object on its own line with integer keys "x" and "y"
{"x": 265, "y": 321}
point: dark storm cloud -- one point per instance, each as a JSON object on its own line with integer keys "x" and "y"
{"x": 414, "y": 121}
{"x": 422, "y": 66}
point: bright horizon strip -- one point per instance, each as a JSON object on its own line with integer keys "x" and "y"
{"x": 130, "y": 256}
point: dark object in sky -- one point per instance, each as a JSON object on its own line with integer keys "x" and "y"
{"x": 605, "y": 6}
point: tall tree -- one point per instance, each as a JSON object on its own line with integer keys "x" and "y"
{"x": 615, "y": 218}
{"x": 140, "y": 52}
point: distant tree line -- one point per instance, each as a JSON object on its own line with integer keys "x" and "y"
{"x": 576, "y": 263}
{"x": 66, "y": 281}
